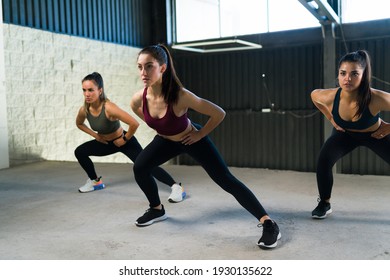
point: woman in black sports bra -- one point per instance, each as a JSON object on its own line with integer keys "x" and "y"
{"x": 353, "y": 109}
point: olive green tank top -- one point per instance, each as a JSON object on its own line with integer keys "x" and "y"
{"x": 101, "y": 124}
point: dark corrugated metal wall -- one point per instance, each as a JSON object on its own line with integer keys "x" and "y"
{"x": 127, "y": 22}
{"x": 243, "y": 83}
{"x": 279, "y": 140}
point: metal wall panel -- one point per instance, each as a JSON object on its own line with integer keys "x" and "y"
{"x": 282, "y": 139}
{"x": 127, "y": 22}
{"x": 244, "y": 83}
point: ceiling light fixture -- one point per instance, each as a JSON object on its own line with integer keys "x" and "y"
{"x": 217, "y": 46}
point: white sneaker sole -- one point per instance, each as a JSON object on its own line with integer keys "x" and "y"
{"x": 322, "y": 217}
{"x": 263, "y": 246}
{"x": 162, "y": 218}
{"x": 95, "y": 188}
{"x": 178, "y": 198}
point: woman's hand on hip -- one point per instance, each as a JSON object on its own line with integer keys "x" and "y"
{"x": 382, "y": 131}
{"x": 192, "y": 137}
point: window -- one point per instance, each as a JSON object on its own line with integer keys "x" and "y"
{"x": 211, "y": 19}
{"x": 363, "y": 10}
{"x": 197, "y": 19}
{"x": 207, "y": 19}
{"x": 288, "y": 15}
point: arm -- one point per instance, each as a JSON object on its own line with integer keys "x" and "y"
{"x": 216, "y": 115}
{"x": 323, "y": 100}
{"x": 382, "y": 131}
{"x": 380, "y": 102}
{"x": 116, "y": 113}
{"x": 136, "y": 105}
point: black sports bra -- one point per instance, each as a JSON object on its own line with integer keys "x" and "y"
{"x": 365, "y": 121}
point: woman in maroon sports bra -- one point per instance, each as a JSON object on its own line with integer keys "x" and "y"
{"x": 163, "y": 104}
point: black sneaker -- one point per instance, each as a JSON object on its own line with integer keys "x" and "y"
{"x": 322, "y": 210}
{"x": 151, "y": 215}
{"x": 271, "y": 235}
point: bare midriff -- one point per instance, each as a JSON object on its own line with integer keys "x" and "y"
{"x": 113, "y": 136}
{"x": 178, "y": 137}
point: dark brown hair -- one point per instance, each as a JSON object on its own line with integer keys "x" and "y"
{"x": 363, "y": 59}
{"x": 97, "y": 79}
{"x": 171, "y": 84}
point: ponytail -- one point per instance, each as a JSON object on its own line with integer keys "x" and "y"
{"x": 171, "y": 84}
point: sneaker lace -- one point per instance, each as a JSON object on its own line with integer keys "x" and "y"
{"x": 322, "y": 203}
{"x": 266, "y": 228}
{"x": 97, "y": 180}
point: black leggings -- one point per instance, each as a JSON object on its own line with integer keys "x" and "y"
{"x": 161, "y": 150}
{"x": 338, "y": 145}
{"x": 131, "y": 149}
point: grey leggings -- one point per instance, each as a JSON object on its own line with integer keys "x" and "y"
{"x": 338, "y": 145}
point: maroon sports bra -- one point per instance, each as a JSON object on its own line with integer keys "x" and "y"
{"x": 168, "y": 125}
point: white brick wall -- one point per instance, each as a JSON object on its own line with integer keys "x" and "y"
{"x": 43, "y": 73}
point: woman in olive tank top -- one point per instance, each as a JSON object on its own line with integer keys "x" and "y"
{"x": 104, "y": 119}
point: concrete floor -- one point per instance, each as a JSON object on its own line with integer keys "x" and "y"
{"x": 42, "y": 216}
